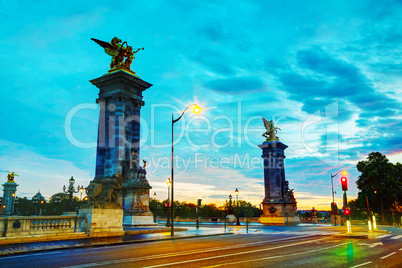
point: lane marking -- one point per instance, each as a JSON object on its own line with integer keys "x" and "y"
{"x": 197, "y": 251}
{"x": 387, "y": 255}
{"x": 397, "y": 237}
{"x": 186, "y": 253}
{"x": 274, "y": 257}
{"x": 383, "y": 236}
{"x": 372, "y": 244}
{"x": 30, "y": 254}
{"x": 239, "y": 253}
{"x": 361, "y": 264}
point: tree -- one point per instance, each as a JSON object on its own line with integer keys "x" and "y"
{"x": 381, "y": 182}
{"x": 357, "y": 208}
{"x": 24, "y": 207}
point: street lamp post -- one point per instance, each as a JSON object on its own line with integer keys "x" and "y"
{"x": 12, "y": 203}
{"x": 178, "y": 208}
{"x": 41, "y": 207}
{"x": 153, "y": 211}
{"x": 169, "y": 183}
{"x": 16, "y": 201}
{"x": 333, "y": 196}
{"x": 196, "y": 110}
{"x": 57, "y": 201}
{"x": 71, "y": 190}
{"x": 237, "y": 201}
{"x": 35, "y": 201}
{"x": 226, "y": 212}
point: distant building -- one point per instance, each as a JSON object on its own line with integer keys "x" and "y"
{"x": 38, "y": 196}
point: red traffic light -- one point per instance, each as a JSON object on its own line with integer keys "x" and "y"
{"x": 344, "y": 183}
{"x": 346, "y": 211}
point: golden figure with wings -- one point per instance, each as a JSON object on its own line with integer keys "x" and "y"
{"x": 119, "y": 51}
{"x": 270, "y": 134}
{"x": 10, "y": 176}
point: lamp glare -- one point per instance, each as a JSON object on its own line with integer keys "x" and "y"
{"x": 197, "y": 109}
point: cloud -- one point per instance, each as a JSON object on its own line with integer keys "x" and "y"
{"x": 37, "y": 172}
{"x": 214, "y": 61}
{"x": 238, "y": 85}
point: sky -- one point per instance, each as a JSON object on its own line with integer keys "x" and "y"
{"x": 329, "y": 73}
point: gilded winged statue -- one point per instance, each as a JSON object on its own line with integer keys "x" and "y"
{"x": 270, "y": 134}
{"x": 10, "y": 176}
{"x": 122, "y": 54}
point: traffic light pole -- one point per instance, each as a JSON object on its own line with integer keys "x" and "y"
{"x": 345, "y": 208}
{"x": 333, "y": 195}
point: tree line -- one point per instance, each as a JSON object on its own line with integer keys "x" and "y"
{"x": 380, "y": 189}
{"x": 188, "y": 210}
{"x": 57, "y": 204}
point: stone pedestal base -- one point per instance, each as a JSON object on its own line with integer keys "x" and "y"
{"x": 138, "y": 220}
{"x": 231, "y": 218}
{"x": 102, "y": 222}
{"x": 136, "y": 206}
{"x": 279, "y": 220}
{"x": 314, "y": 219}
{"x": 279, "y": 213}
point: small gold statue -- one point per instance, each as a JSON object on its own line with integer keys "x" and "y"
{"x": 270, "y": 134}
{"x": 119, "y": 52}
{"x": 10, "y": 176}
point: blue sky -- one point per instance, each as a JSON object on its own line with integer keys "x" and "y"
{"x": 328, "y": 73}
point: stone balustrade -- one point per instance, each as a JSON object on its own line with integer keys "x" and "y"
{"x": 38, "y": 225}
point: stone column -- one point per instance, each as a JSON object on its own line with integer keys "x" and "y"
{"x": 120, "y": 101}
{"x": 274, "y": 169}
{"x": 279, "y": 205}
{"x": 10, "y": 187}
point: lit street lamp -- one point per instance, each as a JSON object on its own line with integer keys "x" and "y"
{"x": 41, "y": 207}
{"x": 196, "y": 110}
{"x": 71, "y": 190}
{"x": 16, "y": 202}
{"x": 238, "y": 212}
{"x": 12, "y": 203}
{"x": 169, "y": 183}
{"x": 81, "y": 189}
{"x": 35, "y": 201}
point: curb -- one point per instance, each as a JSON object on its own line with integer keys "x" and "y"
{"x": 350, "y": 236}
{"x": 104, "y": 244}
{"x": 381, "y": 231}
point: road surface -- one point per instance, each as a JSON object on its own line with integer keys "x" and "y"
{"x": 261, "y": 247}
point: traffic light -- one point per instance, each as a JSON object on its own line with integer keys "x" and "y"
{"x": 344, "y": 181}
{"x": 346, "y": 212}
{"x": 199, "y": 202}
{"x": 334, "y": 208}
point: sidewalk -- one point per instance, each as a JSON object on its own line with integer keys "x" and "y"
{"x": 80, "y": 240}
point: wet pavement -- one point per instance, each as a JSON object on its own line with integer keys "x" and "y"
{"x": 146, "y": 236}
{"x": 182, "y": 230}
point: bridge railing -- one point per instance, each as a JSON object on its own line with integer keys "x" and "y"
{"x": 38, "y": 225}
